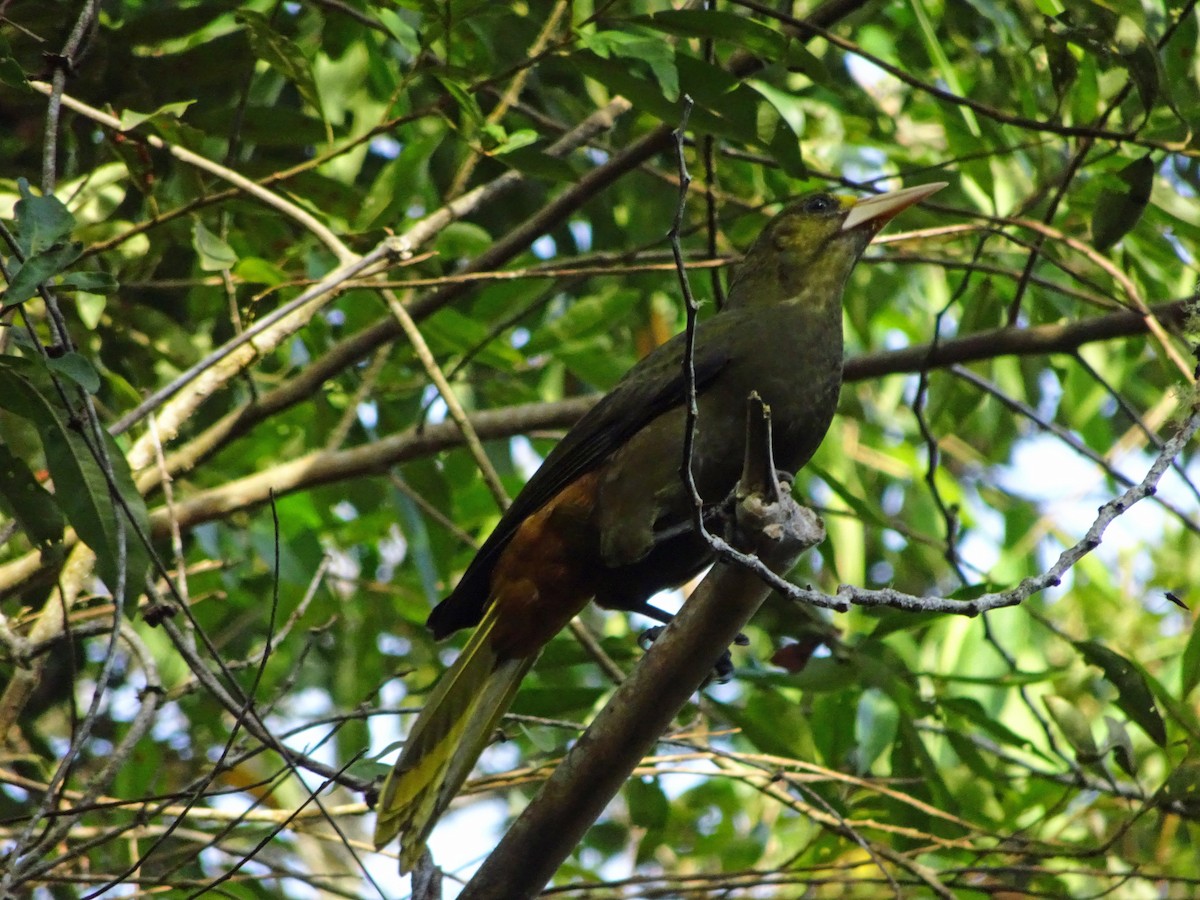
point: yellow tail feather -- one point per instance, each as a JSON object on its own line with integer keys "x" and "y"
{"x": 455, "y": 726}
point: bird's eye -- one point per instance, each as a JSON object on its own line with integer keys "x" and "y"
{"x": 822, "y": 203}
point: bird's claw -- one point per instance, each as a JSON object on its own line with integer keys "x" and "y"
{"x": 647, "y": 637}
{"x": 723, "y": 668}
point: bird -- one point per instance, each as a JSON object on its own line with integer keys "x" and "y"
{"x": 606, "y": 517}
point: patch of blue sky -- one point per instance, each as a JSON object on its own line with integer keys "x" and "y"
{"x": 895, "y": 339}
{"x": 544, "y": 247}
{"x": 1168, "y": 171}
{"x": 298, "y": 354}
{"x": 313, "y": 741}
{"x": 1181, "y": 249}
{"x": 1049, "y": 394}
{"x": 392, "y": 645}
{"x": 978, "y": 547}
{"x": 581, "y": 231}
{"x": 865, "y": 165}
{"x": 460, "y": 842}
{"x": 1069, "y": 489}
{"x": 392, "y": 549}
{"x": 865, "y": 72}
{"x": 124, "y": 702}
{"x": 171, "y": 727}
{"x": 524, "y": 457}
{"x": 385, "y": 146}
{"x": 435, "y": 406}
{"x": 368, "y": 414}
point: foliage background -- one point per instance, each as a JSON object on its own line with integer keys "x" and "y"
{"x": 310, "y": 497}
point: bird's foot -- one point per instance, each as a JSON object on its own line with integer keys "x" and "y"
{"x": 722, "y": 670}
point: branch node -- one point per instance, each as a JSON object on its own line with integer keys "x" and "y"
{"x": 398, "y": 248}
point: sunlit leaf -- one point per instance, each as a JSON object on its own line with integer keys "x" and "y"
{"x": 215, "y": 254}
{"x": 1189, "y": 670}
{"x": 131, "y": 119}
{"x": 1075, "y": 728}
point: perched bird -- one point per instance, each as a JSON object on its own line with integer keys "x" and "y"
{"x": 606, "y": 517}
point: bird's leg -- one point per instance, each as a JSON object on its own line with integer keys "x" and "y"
{"x": 713, "y": 515}
{"x": 722, "y": 669}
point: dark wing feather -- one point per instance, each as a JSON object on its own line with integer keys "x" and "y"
{"x": 652, "y": 387}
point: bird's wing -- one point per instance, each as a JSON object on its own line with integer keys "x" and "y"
{"x": 652, "y": 387}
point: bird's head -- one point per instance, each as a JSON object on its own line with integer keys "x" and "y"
{"x": 807, "y": 251}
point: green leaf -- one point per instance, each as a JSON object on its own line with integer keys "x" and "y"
{"x": 42, "y": 222}
{"x": 1118, "y": 210}
{"x": 586, "y": 318}
{"x": 650, "y": 50}
{"x": 282, "y": 55}
{"x": 39, "y": 268}
{"x": 11, "y": 72}
{"x": 868, "y": 512}
{"x": 893, "y": 620}
{"x": 517, "y": 140}
{"x": 648, "y": 94}
{"x": 17, "y": 392}
{"x": 92, "y": 282}
{"x": 1121, "y": 746}
{"x": 768, "y": 720}
{"x": 82, "y": 491}
{"x": 1141, "y": 60}
{"x": 417, "y": 542}
{"x": 1189, "y": 670}
{"x": 462, "y": 240}
{"x": 466, "y": 102}
{"x": 131, "y": 119}
{"x": 80, "y": 488}
{"x": 450, "y": 330}
{"x": 1075, "y": 728}
{"x": 648, "y": 805}
{"x": 78, "y": 369}
{"x": 967, "y": 752}
{"x": 1064, "y": 68}
{"x": 259, "y": 271}
{"x": 90, "y": 308}
{"x": 403, "y": 33}
{"x": 1180, "y": 713}
{"x": 1134, "y": 697}
{"x": 537, "y": 164}
{"x": 875, "y": 725}
{"x": 720, "y": 26}
{"x": 786, "y": 104}
{"x": 912, "y": 763}
{"x": 215, "y": 255}
{"x": 28, "y": 502}
{"x": 1182, "y": 788}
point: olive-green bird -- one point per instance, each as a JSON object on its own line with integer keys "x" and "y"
{"x": 606, "y": 517}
